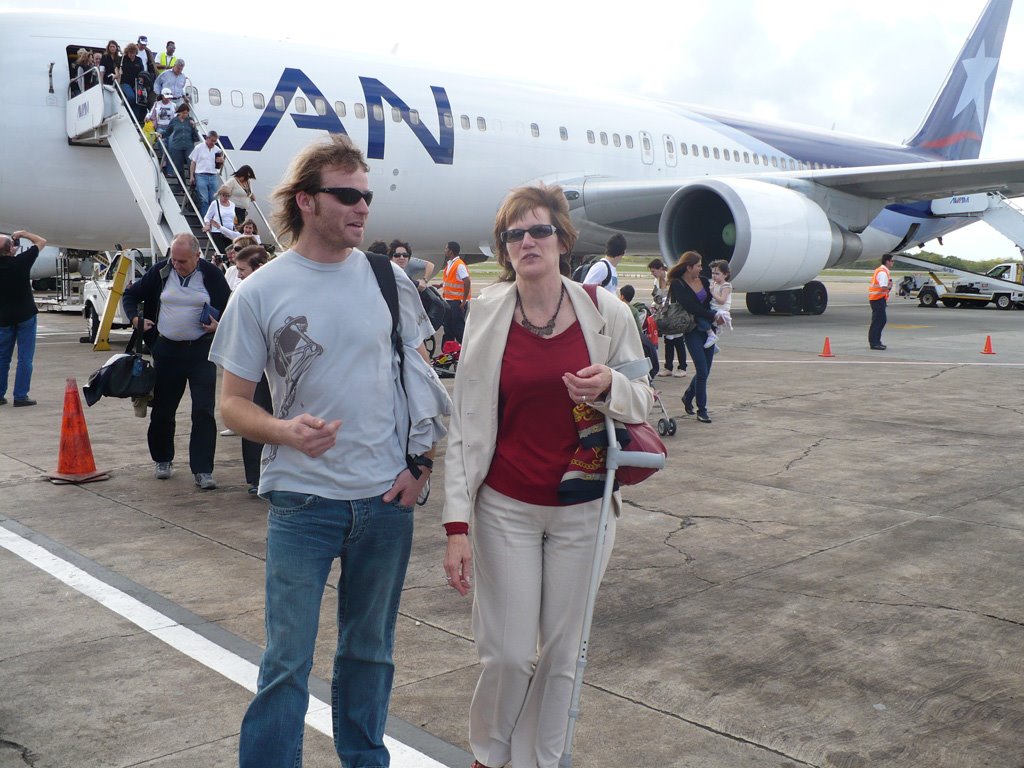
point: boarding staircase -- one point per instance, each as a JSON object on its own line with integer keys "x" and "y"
{"x": 101, "y": 116}
{"x": 995, "y": 209}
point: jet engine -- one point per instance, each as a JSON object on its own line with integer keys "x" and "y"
{"x": 775, "y": 239}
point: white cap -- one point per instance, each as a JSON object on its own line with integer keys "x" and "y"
{"x": 167, "y": 92}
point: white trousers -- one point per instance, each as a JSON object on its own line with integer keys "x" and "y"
{"x": 532, "y": 569}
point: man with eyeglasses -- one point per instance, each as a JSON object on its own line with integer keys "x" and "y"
{"x": 456, "y": 293}
{"x": 340, "y": 470}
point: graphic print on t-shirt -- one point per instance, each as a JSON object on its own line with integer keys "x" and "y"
{"x": 294, "y": 353}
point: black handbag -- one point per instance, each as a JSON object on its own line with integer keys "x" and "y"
{"x": 435, "y": 307}
{"x": 130, "y": 375}
{"x": 673, "y": 320}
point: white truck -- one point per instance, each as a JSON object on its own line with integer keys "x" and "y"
{"x": 1003, "y": 285}
{"x": 96, "y": 290}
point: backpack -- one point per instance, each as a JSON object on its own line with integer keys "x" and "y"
{"x": 580, "y": 273}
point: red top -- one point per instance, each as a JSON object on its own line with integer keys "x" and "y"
{"x": 536, "y": 432}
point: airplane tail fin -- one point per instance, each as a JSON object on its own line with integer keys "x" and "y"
{"x": 955, "y": 125}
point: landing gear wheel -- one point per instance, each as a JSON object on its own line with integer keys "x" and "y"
{"x": 815, "y": 298}
{"x": 783, "y": 302}
{"x": 757, "y": 304}
{"x": 662, "y": 427}
{"x": 671, "y": 427}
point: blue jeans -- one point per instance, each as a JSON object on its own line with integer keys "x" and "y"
{"x": 305, "y": 534}
{"x": 207, "y": 185}
{"x": 702, "y": 359}
{"x": 24, "y": 334}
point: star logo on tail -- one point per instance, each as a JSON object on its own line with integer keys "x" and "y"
{"x": 979, "y": 70}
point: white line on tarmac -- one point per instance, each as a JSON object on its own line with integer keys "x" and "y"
{"x": 864, "y": 362}
{"x": 207, "y": 653}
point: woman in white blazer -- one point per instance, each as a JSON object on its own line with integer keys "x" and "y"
{"x": 536, "y": 346}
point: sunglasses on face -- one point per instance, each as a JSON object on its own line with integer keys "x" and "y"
{"x": 537, "y": 232}
{"x": 401, "y": 254}
{"x": 347, "y": 195}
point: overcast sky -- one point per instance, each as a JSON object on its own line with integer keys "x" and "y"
{"x": 870, "y": 67}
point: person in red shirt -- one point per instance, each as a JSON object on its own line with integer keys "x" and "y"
{"x": 539, "y": 359}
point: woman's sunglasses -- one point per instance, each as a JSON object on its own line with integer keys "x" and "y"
{"x": 537, "y": 232}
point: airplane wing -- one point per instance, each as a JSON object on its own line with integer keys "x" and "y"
{"x": 921, "y": 181}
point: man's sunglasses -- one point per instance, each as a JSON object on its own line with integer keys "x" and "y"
{"x": 537, "y": 232}
{"x": 347, "y": 195}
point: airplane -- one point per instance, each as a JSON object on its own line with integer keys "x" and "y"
{"x": 779, "y": 202}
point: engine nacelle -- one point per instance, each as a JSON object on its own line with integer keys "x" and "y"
{"x": 772, "y": 237}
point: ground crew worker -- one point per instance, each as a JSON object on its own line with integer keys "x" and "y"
{"x": 878, "y": 295}
{"x": 167, "y": 59}
{"x": 456, "y": 293}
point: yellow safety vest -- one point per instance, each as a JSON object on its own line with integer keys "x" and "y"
{"x": 164, "y": 63}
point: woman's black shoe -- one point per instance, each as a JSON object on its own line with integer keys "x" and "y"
{"x": 703, "y": 416}
{"x": 688, "y": 407}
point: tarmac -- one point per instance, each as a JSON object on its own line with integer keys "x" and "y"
{"x": 829, "y": 574}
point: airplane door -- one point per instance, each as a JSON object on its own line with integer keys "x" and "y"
{"x": 646, "y": 148}
{"x": 670, "y": 151}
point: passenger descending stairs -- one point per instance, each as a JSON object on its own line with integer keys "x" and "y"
{"x": 100, "y": 116}
{"x": 995, "y": 209}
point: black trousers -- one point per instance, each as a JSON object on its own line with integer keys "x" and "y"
{"x": 178, "y": 363}
{"x": 454, "y": 322}
{"x": 878, "y": 320}
{"x": 252, "y": 453}
{"x": 673, "y": 347}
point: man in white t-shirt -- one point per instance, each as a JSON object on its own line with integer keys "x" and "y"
{"x": 335, "y": 469}
{"x": 604, "y": 271}
{"x": 205, "y": 171}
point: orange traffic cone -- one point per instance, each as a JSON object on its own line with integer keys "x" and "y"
{"x": 75, "y": 463}
{"x": 826, "y": 351}
{"x": 987, "y": 350}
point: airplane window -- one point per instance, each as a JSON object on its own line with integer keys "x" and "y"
{"x": 775, "y": 162}
{"x": 604, "y": 139}
{"x": 535, "y": 130}
{"x": 746, "y": 157}
{"x": 236, "y": 98}
{"x": 360, "y": 110}
{"x": 279, "y": 102}
{"x": 320, "y": 106}
{"x": 414, "y": 116}
{"x": 563, "y": 133}
{"x": 396, "y": 114}
{"x": 718, "y": 154}
{"x": 447, "y": 117}
{"x": 725, "y": 154}
{"x": 764, "y": 159}
{"x": 193, "y": 94}
{"x": 258, "y": 101}
{"x": 481, "y": 124}
{"x": 706, "y": 153}
{"x": 590, "y": 137}
{"x": 647, "y": 144}
{"x": 670, "y": 147}
{"x": 629, "y": 141}
{"x": 683, "y": 149}
{"x": 736, "y": 155}
{"x": 378, "y": 113}
{"x": 464, "y": 121}
{"x": 616, "y": 140}
{"x": 696, "y": 150}
{"x": 757, "y": 159}
{"x": 300, "y": 104}
{"x": 214, "y": 97}
{"x": 339, "y": 108}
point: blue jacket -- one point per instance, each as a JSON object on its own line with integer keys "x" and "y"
{"x": 148, "y": 289}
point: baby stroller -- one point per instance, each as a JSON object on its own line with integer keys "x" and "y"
{"x": 649, "y": 338}
{"x": 447, "y": 362}
{"x": 666, "y": 424}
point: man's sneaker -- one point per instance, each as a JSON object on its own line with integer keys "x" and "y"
{"x": 228, "y": 433}
{"x": 712, "y": 338}
{"x": 163, "y": 470}
{"x": 254, "y": 489}
{"x": 23, "y": 402}
{"x": 679, "y": 373}
{"x": 204, "y": 480}
{"x": 663, "y": 372}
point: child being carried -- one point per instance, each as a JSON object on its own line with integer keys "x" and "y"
{"x": 721, "y": 299}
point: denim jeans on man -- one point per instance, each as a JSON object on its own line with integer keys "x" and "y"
{"x": 304, "y": 535}
{"x": 24, "y": 335}
{"x": 207, "y": 185}
{"x": 702, "y": 358}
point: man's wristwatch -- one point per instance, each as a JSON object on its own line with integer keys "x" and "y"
{"x": 416, "y": 462}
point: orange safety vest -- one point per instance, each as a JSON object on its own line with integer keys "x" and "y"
{"x": 453, "y": 287}
{"x": 877, "y": 291}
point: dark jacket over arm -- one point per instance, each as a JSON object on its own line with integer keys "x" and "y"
{"x": 683, "y": 294}
{"x": 147, "y": 291}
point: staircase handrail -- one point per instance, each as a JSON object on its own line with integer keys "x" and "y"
{"x": 233, "y": 168}
{"x": 80, "y": 80}
{"x": 1008, "y": 202}
{"x": 187, "y": 198}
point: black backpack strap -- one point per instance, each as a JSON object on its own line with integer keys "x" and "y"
{"x": 385, "y": 275}
{"x": 608, "y": 277}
